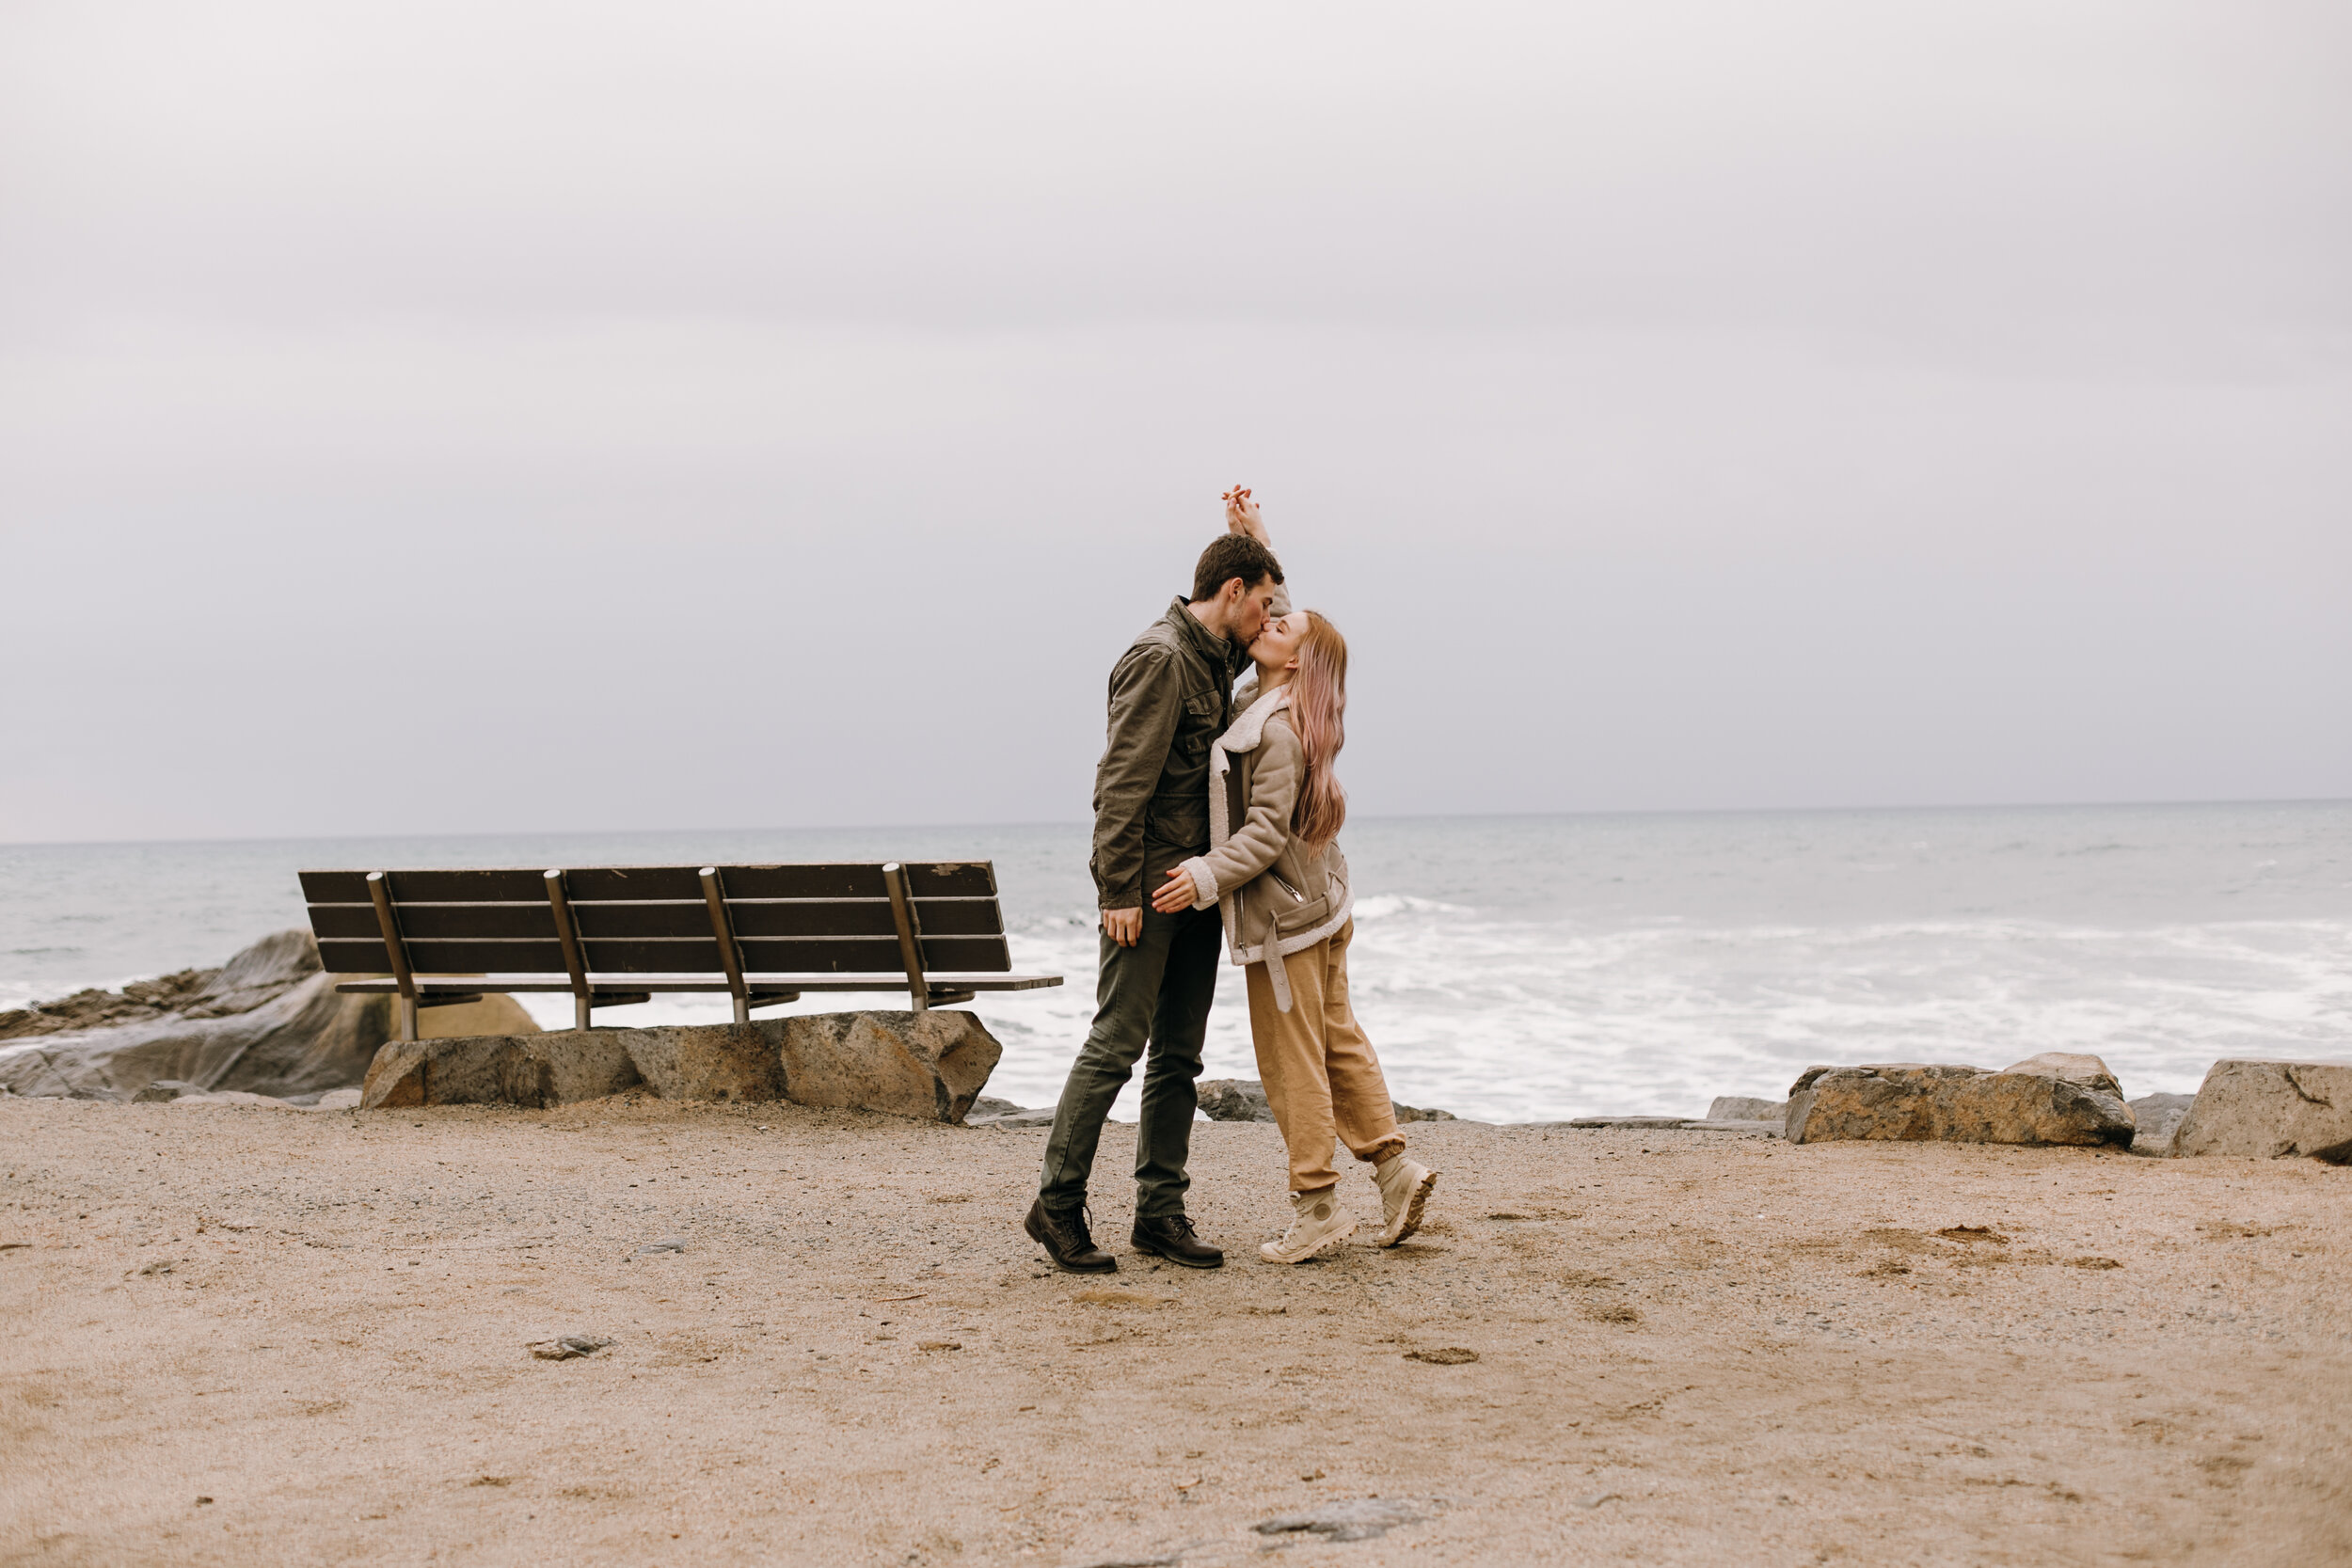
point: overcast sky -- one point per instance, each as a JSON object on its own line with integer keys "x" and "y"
{"x": 495, "y": 417}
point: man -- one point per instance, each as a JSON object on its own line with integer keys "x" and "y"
{"x": 1171, "y": 694}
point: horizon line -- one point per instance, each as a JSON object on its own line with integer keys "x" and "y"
{"x": 1080, "y": 822}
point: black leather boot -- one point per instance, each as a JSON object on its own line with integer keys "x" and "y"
{"x": 1063, "y": 1234}
{"x": 1170, "y": 1236}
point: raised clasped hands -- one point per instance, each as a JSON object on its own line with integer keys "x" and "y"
{"x": 1241, "y": 514}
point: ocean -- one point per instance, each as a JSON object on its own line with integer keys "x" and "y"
{"x": 1521, "y": 968}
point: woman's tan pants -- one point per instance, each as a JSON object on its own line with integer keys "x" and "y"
{"x": 1320, "y": 1075}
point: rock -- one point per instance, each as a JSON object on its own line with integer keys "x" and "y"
{"x": 2089, "y": 1072}
{"x": 236, "y": 1096}
{"x": 667, "y": 1243}
{"x": 1734, "y": 1107}
{"x": 929, "y": 1065}
{"x": 1916, "y": 1101}
{"x": 1643, "y": 1123}
{"x": 1450, "y": 1356}
{"x": 534, "y": 1070}
{"x": 1244, "y": 1100}
{"x": 1004, "y": 1114}
{"x": 140, "y": 1001}
{"x": 1358, "y": 1519}
{"x": 256, "y": 977}
{"x": 1233, "y": 1100}
{"x": 337, "y": 1100}
{"x": 265, "y": 1023}
{"x": 2271, "y": 1110}
{"x": 2159, "y": 1118}
{"x": 163, "y": 1090}
{"x": 1763, "y": 1129}
{"x": 737, "y": 1062}
{"x": 566, "y": 1348}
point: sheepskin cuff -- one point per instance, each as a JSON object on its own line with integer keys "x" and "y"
{"x": 1203, "y": 882}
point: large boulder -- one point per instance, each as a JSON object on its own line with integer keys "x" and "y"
{"x": 2271, "y": 1110}
{"x": 1740, "y": 1107}
{"x": 265, "y": 1023}
{"x": 929, "y": 1065}
{"x": 537, "y": 1070}
{"x": 1917, "y": 1101}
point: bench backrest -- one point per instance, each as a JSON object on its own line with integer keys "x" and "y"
{"x": 816, "y": 917}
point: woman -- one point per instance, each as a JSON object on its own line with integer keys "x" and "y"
{"x": 1274, "y": 867}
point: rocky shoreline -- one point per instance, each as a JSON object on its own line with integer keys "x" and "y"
{"x": 268, "y": 1029}
{"x": 268, "y": 1025}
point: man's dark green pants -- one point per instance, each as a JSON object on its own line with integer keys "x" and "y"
{"x": 1157, "y": 994}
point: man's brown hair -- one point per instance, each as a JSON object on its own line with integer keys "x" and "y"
{"x": 1230, "y": 556}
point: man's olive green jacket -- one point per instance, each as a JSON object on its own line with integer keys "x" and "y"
{"x": 1171, "y": 695}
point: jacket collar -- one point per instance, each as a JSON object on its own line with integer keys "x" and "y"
{"x": 1212, "y": 647}
{"x": 1249, "y": 727}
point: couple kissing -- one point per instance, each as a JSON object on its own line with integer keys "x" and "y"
{"x": 1216, "y": 820}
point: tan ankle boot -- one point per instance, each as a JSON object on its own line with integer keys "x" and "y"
{"x": 1315, "y": 1224}
{"x": 1403, "y": 1189}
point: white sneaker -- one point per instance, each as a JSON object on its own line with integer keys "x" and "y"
{"x": 1315, "y": 1224}
{"x": 1403, "y": 1189}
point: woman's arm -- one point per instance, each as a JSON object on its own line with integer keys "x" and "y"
{"x": 1243, "y": 516}
{"x": 1259, "y": 841}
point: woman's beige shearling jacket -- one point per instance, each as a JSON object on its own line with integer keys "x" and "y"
{"x": 1278, "y": 896}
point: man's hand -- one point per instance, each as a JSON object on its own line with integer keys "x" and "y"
{"x": 1241, "y": 517}
{"x": 1176, "y": 895}
{"x": 1124, "y": 926}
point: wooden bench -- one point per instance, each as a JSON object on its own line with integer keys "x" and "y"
{"x": 613, "y": 935}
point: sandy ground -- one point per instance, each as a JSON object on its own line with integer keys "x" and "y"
{"x": 1689, "y": 1348}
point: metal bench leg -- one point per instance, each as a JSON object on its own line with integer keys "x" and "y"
{"x": 575, "y": 960}
{"x": 396, "y": 950}
{"x": 722, "y": 931}
{"x": 904, "y": 915}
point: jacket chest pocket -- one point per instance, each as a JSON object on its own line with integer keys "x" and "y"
{"x": 1197, "y": 725}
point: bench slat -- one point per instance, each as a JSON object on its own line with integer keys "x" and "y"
{"x": 654, "y": 954}
{"x": 959, "y": 917}
{"x": 522, "y": 885}
{"x": 950, "y": 917}
{"x": 472, "y": 885}
{"x": 331, "y": 922}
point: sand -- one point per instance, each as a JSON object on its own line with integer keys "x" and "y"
{"x": 1689, "y": 1348}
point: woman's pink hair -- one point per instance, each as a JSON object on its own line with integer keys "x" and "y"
{"x": 1318, "y": 708}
